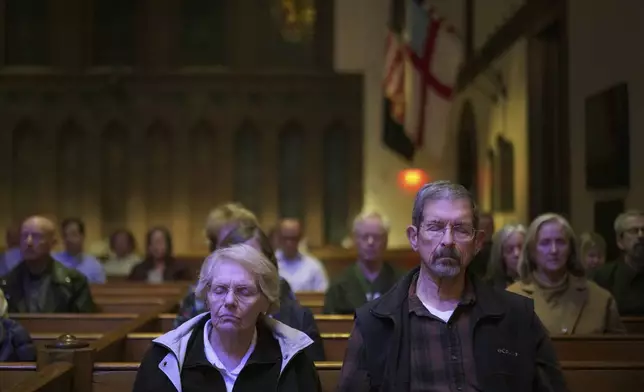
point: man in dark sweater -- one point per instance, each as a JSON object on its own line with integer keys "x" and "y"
{"x": 370, "y": 276}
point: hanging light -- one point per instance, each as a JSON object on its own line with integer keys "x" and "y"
{"x": 412, "y": 179}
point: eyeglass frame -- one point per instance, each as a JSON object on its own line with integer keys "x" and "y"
{"x": 439, "y": 234}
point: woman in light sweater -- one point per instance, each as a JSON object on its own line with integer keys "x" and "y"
{"x": 551, "y": 273}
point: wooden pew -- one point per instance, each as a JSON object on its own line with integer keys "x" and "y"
{"x": 612, "y": 348}
{"x": 112, "y": 346}
{"x": 56, "y": 377}
{"x": 12, "y": 373}
{"x": 128, "y": 305}
{"x": 139, "y": 289}
{"x": 621, "y": 348}
{"x": 42, "y": 339}
{"x": 315, "y": 306}
{"x": 581, "y": 376}
{"x": 634, "y": 325}
{"x": 71, "y": 322}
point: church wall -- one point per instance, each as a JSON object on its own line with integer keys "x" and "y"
{"x": 489, "y": 15}
{"x": 359, "y": 47}
{"x": 499, "y": 116}
{"x": 604, "y": 51}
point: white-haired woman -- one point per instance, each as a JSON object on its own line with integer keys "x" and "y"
{"x": 551, "y": 273}
{"x": 234, "y": 346}
{"x": 503, "y": 267}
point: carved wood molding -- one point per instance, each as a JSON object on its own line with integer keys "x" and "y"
{"x": 528, "y": 20}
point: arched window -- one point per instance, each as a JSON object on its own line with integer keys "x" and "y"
{"x": 114, "y": 34}
{"x": 203, "y": 179}
{"x": 291, "y": 172}
{"x": 505, "y": 174}
{"x": 70, "y": 169}
{"x": 158, "y": 175}
{"x": 27, "y": 32}
{"x": 336, "y": 184}
{"x": 467, "y": 164}
{"x": 27, "y": 173}
{"x": 203, "y": 31}
{"x": 114, "y": 177}
{"x": 248, "y": 178}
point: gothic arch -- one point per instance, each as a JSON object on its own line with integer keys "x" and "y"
{"x": 70, "y": 168}
{"x": 247, "y": 158}
{"x": 467, "y": 151}
{"x": 158, "y": 174}
{"x": 335, "y": 183}
{"x": 291, "y": 171}
{"x": 27, "y": 171}
{"x": 202, "y": 178}
{"x": 115, "y": 164}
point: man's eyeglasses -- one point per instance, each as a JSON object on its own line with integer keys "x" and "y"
{"x": 460, "y": 233}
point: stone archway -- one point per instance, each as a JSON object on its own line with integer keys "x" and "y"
{"x": 467, "y": 159}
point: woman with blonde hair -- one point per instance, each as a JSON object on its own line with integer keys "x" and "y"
{"x": 234, "y": 345}
{"x": 592, "y": 251}
{"x": 503, "y": 267}
{"x": 551, "y": 273}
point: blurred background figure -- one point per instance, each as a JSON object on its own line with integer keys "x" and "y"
{"x": 11, "y": 255}
{"x": 503, "y": 267}
{"x": 159, "y": 264}
{"x": 592, "y": 251}
{"x": 73, "y": 256}
{"x": 122, "y": 256}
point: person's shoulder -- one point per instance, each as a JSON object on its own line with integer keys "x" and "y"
{"x": 91, "y": 259}
{"x": 15, "y": 331}
{"x": 604, "y": 272}
{"x": 515, "y": 298}
{"x": 517, "y": 288}
{"x": 68, "y": 275}
{"x": 598, "y": 291}
{"x": 346, "y": 276}
{"x": 312, "y": 261}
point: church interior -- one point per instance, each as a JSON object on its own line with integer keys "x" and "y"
{"x": 141, "y": 121}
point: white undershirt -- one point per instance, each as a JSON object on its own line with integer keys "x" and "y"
{"x": 441, "y": 314}
{"x": 229, "y": 376}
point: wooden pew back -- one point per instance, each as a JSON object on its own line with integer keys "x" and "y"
{"x": 71, "y": 322}
{"x": 580, "y": 376}
{"x": 12, "y": 373}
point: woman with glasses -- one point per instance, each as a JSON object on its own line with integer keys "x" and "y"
{"x": 235, "y": 345}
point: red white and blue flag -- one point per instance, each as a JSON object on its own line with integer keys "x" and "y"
{"x": 421, "y": 65}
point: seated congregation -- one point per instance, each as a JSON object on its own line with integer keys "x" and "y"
{"x": 529, "y": 309}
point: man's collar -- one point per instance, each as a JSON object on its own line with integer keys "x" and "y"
{"x": 486, "y": 297}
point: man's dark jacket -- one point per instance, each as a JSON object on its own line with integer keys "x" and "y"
{"x": 68, "y": 292}
{"x": 511, "y": 347}
{"x": 625, "y": 284}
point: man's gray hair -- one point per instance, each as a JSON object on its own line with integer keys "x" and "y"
{"x": 621, "y": 220}
{"x": 442, "y": 190}
{"x": 371, "y": 215}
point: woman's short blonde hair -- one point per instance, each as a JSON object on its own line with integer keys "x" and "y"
{"x": 589, "y": 241}
{"x": 527, "y": 265}
{"x": 264, "y": 271}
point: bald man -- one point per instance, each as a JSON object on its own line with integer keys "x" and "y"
{"x": 39, "y": 284}
{"x": 10, "y": 258}
{"x": 302, "y": 272}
